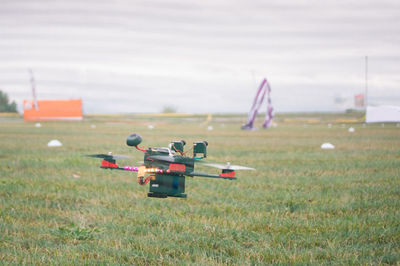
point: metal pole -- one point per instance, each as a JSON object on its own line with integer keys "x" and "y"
{"x": 366, "y": 82}
{"x": 33, "y": 90}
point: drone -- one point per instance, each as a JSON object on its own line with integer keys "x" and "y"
{"x": 166, "y": 168}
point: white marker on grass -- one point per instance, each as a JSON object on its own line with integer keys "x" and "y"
{"x": 54, "y": 143}
{"x": 327, "y": 146}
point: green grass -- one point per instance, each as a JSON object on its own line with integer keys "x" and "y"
{"x": 302, "y": 205}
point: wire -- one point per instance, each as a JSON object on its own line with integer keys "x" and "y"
{"x": 140, "y": 149}
{"x": 189, "y": 150}
{"x": 181, "y": 152}
{"x": 144, "y": 181}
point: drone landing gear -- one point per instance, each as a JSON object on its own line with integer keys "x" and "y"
{"x": 163, "y": 196}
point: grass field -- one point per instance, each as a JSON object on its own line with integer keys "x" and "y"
{"x": 302, "y": 204}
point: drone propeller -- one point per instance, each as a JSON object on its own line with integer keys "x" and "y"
{"x": 109, "y": 156}
{"x": 162, "y": 158}
{"x": 173, "y": 159}
{"x": 228, "y": 166}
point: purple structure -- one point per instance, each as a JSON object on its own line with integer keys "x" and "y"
{"x": 263, "y": 89}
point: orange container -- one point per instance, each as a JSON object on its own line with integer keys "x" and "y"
{"x": 53, "y": 110}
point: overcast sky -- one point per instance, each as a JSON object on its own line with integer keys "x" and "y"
{"x": 200, "y": 56}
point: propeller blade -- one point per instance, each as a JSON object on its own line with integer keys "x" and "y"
{"x": 98, "y": 156}
{"x": 162, "y": 158}
{"x": 240, "y": 167}
{"x": 117, "y": 156}
{"x": 108, "y": 156}
{"x": 228, "y": 166}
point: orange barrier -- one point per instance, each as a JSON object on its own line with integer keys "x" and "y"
{"x": 53, "y": 110}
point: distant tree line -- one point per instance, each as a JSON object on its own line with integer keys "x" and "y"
{"x": 5, "y": 105}
{"x": 169, "y": 109}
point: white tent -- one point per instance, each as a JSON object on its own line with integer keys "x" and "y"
{"x": 383, "y": 113}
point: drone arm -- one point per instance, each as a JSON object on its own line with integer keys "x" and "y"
{"x": 125, "y": 168}
{"x": 113, "y": 166}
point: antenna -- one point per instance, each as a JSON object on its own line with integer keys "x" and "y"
{"x": 33, "y": 89}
